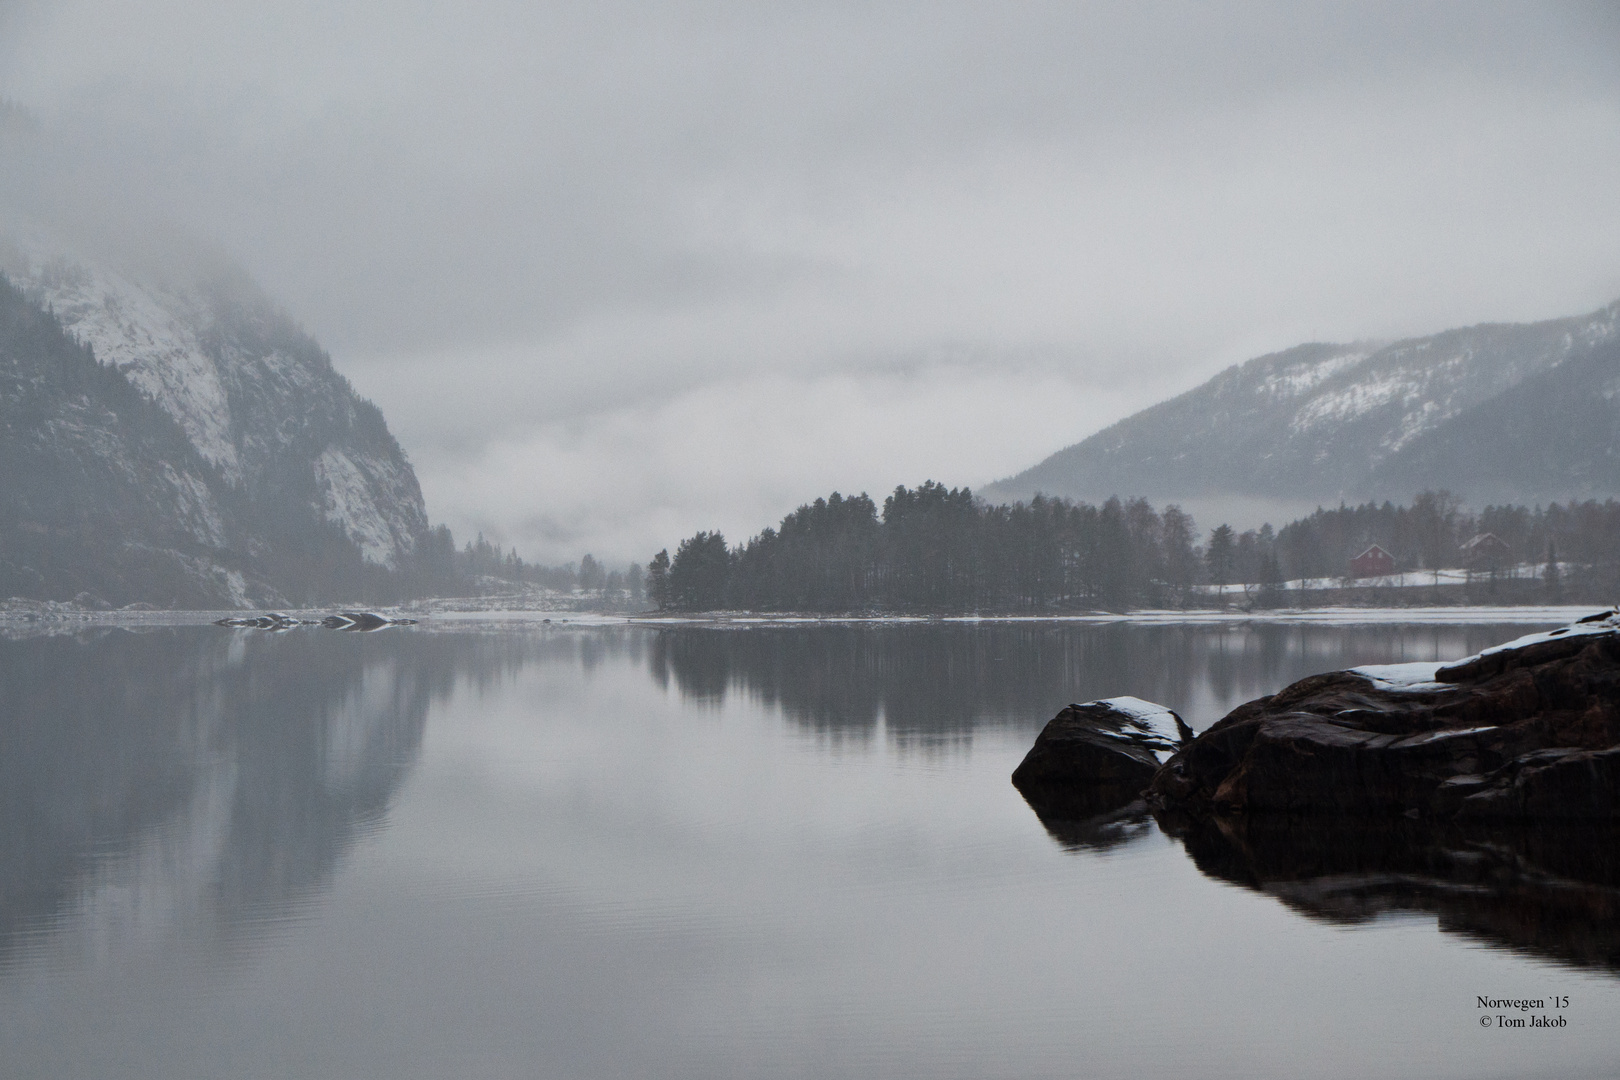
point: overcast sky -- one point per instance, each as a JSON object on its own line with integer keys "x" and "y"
{"x": 619, "y": 272}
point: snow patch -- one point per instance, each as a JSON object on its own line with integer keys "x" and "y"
{"x": 1337, "y": 406}
{"x": 1417, "y": 676}
{"x": 1148, "y": 722}
{"x": 1408, "y": 579}
{"x": 149, "y": 335}
{"x": 348, "y": 502}
{"x": 1585, "y": 629}
{"x": 1297, "y": 380}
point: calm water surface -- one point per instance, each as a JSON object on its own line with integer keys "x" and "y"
{"x": 772, "y": 852}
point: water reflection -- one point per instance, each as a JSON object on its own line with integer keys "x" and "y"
{"x": 189, "y": 781}
{"x": 1109, "y": 828}
{"x": 945, "y": 679}
{"x": 1548, "y": 890}
{"x": 202, "y": 784}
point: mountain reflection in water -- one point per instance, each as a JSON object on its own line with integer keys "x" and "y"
{"x": 202, "y": 781}
{"x": 205, "y": 784}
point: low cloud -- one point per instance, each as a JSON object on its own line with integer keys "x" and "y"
{"x": 616, "y": 272}
{"x": 624, "y": 482}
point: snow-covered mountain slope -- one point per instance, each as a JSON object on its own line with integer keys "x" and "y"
{"x": 1554, "y": 435}
{"x": 173, "y": 437}
{"x": 1325, "y": 422}
{"x": 100, "y": 490}
{"x": 256, "y": 396}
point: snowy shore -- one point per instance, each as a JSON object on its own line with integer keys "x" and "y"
{"x": 58, "y": 617}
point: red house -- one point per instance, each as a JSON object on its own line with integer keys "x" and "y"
{"x": 1374, "y": 562}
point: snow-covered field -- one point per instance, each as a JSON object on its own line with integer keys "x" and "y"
{"x": 1411, "y": 579}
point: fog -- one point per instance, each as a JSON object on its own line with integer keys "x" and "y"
{"x": 619, "y": 272}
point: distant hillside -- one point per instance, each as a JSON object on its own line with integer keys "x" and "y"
{"x": 1497, "y": 412}
{"x": 175, "y": 438}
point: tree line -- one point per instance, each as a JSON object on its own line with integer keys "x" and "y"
{"x": 1430, "y": 534}
{"x": 934, "y": 549}
{"x": 938, "y": 549}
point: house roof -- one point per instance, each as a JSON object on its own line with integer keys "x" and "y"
{"x": 1374, "y": 551}
{"x": 1482, "y": 539}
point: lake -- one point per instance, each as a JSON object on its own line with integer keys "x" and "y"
{"x": 792, "y": 851}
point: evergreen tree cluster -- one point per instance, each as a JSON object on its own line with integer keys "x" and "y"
{"x": 934, "y": 549}
{"x": 1429, "y": 534}
{"x": 937, "y": 549}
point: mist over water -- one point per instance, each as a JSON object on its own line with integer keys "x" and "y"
{"x": 709, "y": 852}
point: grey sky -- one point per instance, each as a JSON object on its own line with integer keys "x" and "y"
{"x": 619, "y": 272}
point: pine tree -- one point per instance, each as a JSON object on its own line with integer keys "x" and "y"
{"x": 1220, "y": 554}
{"x": 658, "y": 580}
{"x": 592, "y": 576}
{"x": 699, "y": 573}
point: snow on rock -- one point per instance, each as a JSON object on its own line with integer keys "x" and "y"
{"x": 149, "y": 334}
{"x": 1604, "y": 623}
{"x": 348, "y": 492}
{"x": 1428, "y": 676}
{"x": 1160, "y": 728}
{"x": 1413, "y": 677}
{"x": 201, "y": 515}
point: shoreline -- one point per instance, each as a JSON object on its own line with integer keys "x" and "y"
{"x": 64, "y": 617}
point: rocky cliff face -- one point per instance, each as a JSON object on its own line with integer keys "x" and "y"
{"x": 270, "y": 467}
{"x": 1323, "y": 422}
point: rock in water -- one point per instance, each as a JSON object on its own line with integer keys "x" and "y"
{"x": 362, "y": 621}
{"x": 1095, "y": 758}
{"x": 271, "y": 621}
{"x": 1529, "y": 730}
{"x": 343, "y": 620}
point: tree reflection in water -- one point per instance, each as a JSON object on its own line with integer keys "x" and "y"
{"x": 207, "y": 783}
{"x": 944, "y": 679}
{"x": 1552, "y": 892}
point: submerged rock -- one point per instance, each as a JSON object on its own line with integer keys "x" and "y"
{"x": 1526, "y": 730}
{"x": 1093, "y": 759}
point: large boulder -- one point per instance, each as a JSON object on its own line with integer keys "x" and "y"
{"x": 1091, "y": 760}
{"x": 1527, "y": 730}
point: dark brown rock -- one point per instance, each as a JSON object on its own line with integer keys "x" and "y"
{"x": 1093, "y": 759}
{"x": 1525, "y": 731}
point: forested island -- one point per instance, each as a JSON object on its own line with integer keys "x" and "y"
{"x": 934, "y": 549}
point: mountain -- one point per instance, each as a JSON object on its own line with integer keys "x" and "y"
{"x": 1496, "y": 412}
{"x": 173, "y": 437}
